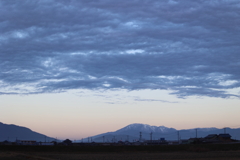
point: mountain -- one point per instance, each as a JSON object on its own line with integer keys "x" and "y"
{"x": 136, "y": 127}
{"x": 12, "y": 132}
{"x": 132, "y": 133}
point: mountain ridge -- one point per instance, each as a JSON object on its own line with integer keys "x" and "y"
{"x": 13, "y": 132}
{"x": 131, "y": 132}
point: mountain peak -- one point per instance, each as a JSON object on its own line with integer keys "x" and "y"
{"x": 144, "y": 128}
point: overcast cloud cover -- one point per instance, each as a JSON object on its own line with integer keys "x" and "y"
{"x": 190, "y": 47}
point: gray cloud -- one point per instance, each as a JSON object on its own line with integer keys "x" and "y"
{"x": 189, "y": 47}
{"x": 155, "y": 100}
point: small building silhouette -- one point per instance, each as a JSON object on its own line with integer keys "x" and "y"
{"x": 26, "y": 142}
{"x": 214, "y": 138}
{"x": 67, "y": 142}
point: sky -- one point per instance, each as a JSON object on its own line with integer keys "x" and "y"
{"x": 77, "y": 68}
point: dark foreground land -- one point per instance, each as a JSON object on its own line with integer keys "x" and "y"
{"x": 178, "y": 152}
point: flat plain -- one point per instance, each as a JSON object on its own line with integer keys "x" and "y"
{"x": 177, "y": 152}
{"x": 218, "y": 155}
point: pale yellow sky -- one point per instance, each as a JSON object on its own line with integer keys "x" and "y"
{"x": 78, "y": 115}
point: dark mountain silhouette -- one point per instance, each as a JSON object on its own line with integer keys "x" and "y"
{"x": 132, "y": 133}
{"x": 12, "y": 132}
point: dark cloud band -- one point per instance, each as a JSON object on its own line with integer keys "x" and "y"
{"x": 190, "y": 47}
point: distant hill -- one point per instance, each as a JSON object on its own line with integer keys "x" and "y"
{"x": 132, "y": 133}
{"x": 12, "y": 132}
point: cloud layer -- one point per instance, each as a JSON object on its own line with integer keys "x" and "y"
{"x": 188, "y": 47}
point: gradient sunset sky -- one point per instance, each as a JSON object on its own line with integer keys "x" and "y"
{"x": 77, "y": 68}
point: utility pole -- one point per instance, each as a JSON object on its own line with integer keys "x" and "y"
{"x": 196, "y": 133}
{"x": 140, "y": 136}
{"x": 178, "y": 137}
{"x": 151, "y": 136}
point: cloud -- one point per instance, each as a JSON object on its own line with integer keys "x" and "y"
{"x": 155, "y": 100}
{"x": 188, "y": 47}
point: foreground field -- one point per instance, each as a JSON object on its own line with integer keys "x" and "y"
{"x": 177, "y": 152}
{"x": 223, "y": 155}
